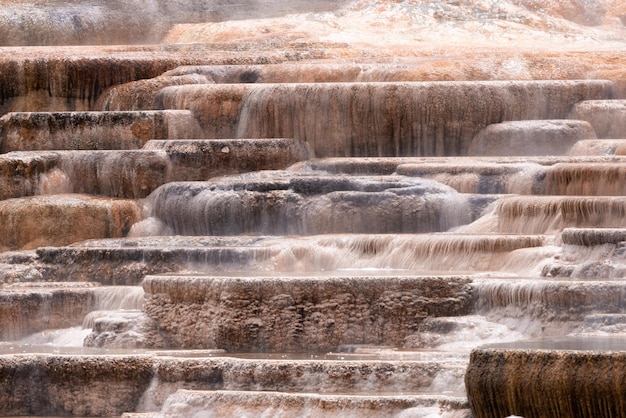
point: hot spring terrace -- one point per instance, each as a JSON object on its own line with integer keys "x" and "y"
{"x": 299, "y": 240}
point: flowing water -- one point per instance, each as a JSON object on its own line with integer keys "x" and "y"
{"x": 274, "y": 211}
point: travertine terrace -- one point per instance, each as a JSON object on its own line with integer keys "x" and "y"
{"x": 312, "y": 208}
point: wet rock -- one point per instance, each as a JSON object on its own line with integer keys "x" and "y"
{"x": 227, "y": 404}
{"x": 547, "y": 382}
{"x": 286, "y": 203}
{"x": 92, "y": 130}
{"x": 608, "y": 117}
{"x": 21, "y": 173}
{"x": 28, "y": 309}
{"x": 593, "y": 236}
{"x": 549, "y": 214}
{"x": 596, "y": 147}
{"x": 371, "y": 119}
{"x": 51, "y": 385}
{"x": 125, "y": 329}
{"x": 203, "y": 159}
{"x": 541, "y": 137}
{"x": 297, "y": 314}
{"x": 586, "y": 179}
{"x": 481, "y": 177}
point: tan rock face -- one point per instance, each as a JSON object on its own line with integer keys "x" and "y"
{"x": 61, "y": 220}
{"x": 72, "y": 385}
{"x": 297, "y": 314}
{"x": 91, "y": 130}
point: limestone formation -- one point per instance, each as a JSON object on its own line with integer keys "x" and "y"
{"x": 608, "y": 117}
{"x": 546, "y": 382}
{"x": 297, "y": 314}
{"x": 373, "y": 119}
{"x": 541, "y": 137}
{"x": 312, "y": 208}
{"x": 92, "y": 130}
{"x": 63, "y": 219}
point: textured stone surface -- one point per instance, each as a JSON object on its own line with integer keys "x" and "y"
{"x": 546, "y": 383}
{"x": 597, "y": 147}
{"x": 50, "y": 385}
{"x": 28, "y": 309}
{"x": 482, "y": 177}
{"x": 118, "y": 173}
{"x": 549, "y": 214}
{"x": 92, "y": 130}
{"x": 203, "y": 159}
{"x": 277, "y": 203}
{"x": 298, "y": 314}
{"x": 593, "y": 236}
{"x": 586, "y": 179}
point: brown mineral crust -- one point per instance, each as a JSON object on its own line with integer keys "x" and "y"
{"x": 38, "y": 131}
{"x": 543, "y": 383}
{"x": 607, "y": 179}
{"x": 298, "y": 314}
{"x": 350, "y": 119}
{"x": 20, "y": 174}
{"x": 41, "y": 309}
{"x": 608, "y": 117}
{"x": 72, "y": 385}
{"x": 202, "y": 159}
{"x": 73, "y": 77}
{"x": 63, "y": 219}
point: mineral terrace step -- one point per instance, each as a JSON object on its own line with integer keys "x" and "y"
{"x": 579, "y": 377}
{"x": 586, "y": 179}
{"x": 598, "y": 147}
{"x": 551, "y": 214}
{"x": 544, "y": 306}
{"x": 33, "y": 221}
{"x": 530, "y": 137}
{"x": 201, "y": 159}
{"x": 389, "y": 165}
{"x": 608, "y": 117}
{"x": 357, "y": 116}
{"x": 159, "y": 375}
{"x": 482, "y": 177}
{"x": 298, "y": 314}
{"x": 118, "y": 173}
{"x": 136, "y": 173}
{"x": 125, "y": 261}
{"x": 593, "y": 236}
{"x": 233, "y": 403}
{"x": 27, "y": 308}
{"x": 290, "y": 203}
{"x": 31, "y": 131}
{"x": 141, "y": 94}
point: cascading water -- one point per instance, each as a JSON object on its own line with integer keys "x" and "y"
{"x": 259, "y": 214}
